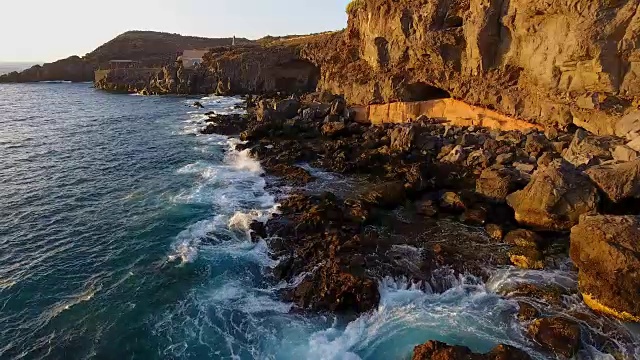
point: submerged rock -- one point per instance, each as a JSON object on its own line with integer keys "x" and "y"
{"x": 606, "y": 250}
{"x": 555, "y": 198}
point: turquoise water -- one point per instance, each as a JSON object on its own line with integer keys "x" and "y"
{"x": 124, "y": 235}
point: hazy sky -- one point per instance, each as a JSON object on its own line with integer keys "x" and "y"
{"x": 47, "y": 30}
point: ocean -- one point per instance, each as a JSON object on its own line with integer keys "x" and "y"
{"x": 124, "y": 234}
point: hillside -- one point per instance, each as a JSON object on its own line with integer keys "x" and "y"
{"x": 152, "y": 48}
{"x": 149, "y": 47}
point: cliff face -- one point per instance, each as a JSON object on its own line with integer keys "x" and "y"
{"x": 552, "y": 62}
{"x": 151, "y": 49}
{"x": 70, "y": 69}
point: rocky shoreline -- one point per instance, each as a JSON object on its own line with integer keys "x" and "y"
{"x": 444, "y": 202}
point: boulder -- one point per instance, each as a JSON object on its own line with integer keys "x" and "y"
{"x": 628, "y": 127}
{"x": 264, "y": 111}
{"x": 452, "y": 202}
{"x": 588, "y": 150}
{"x": 496, "y": 184}
{"x": 557, "y": 334}
{"x": 617, "y": 181}
{"x": 495, "y": 231}
{"x": 536, "y": 144}
{"x": 333, "y": 129}
{"x": 288, "y": 108}
{"x": 435, "y": 350}
{"x": 402, "y": 138}
{"x": 634, "y": 144}
{"x": 606, "y": 250}
{"x": 526, "y": 311}
{"x": 555, "y": 198}
{"x": 426, "y": 207}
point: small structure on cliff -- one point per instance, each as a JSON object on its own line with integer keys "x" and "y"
{"x": 192, "y": 58}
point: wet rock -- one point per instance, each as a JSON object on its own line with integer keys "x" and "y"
{"x": 526, "y": 311}
{"x": 333, "y": 129}
{"x": 496, "y": 184}
{"x": 549, "y": 294}
{"x": 606, "y": 250}
{"x": 556, "y": 334}
{"x": 198, "y": 104}
{"x": 308, "y": 114}
{"x": 475, "y": 216}
{"x": 288, "y": 108}
{"x": 426, "y": 207}
{"x": 293, "y": 174}
{"x": 526, "y": 258}
{"x": 457, "y": 155}
{"x": 258, "y": 230}
{"x": 555, "y": 198}
{"x": 402, "y": 138}
{"x": 524, "y": 238}
{"x": 588, "y": 150}
{"x": 386, "y": 195}
{"x": 435, "y": 350}
{"x": 624, "y": 153}
{"x": 617, "y": 181}
{"x": 495, "y": 231}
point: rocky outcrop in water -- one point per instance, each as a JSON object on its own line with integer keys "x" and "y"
{"x": 70, "y": 69}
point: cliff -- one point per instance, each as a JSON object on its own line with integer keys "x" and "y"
{"x": 556, "y": 63}
{"x": 148, "y": 47}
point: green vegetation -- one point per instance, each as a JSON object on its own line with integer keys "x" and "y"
{"x": 355, "y": 5}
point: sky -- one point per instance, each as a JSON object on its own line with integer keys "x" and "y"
{"x": 48, "y": 30}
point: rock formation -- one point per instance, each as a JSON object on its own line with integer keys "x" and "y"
{"x": 606, "y": 251}
{"x": 435, "y": 350}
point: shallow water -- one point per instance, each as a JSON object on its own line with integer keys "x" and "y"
{"x": 123, "y": 233}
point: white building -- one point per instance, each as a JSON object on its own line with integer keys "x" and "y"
{"x": 191, "y": 58}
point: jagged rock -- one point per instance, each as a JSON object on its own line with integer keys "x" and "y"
{"x": 294, "y": 174}
{"x": 308, "y": 114}
{"x": 606, "y": 250}
{"x": 456, "y": 155}
{"x": 524, "y": 168}
{"x": 536, "y": 144}
{"x": 435, "y": 350}
{"x": 624, "y": 153}
{"x": 198, "y": 104}
{"x": 628, "y": 127}
{"x": 617, "y": 181}
{"x": 476, "y": 216}
{"x": 504, "y": 158}
{"x": 524, "y": 238}
{"x": 557, "y": 334}
{"x": 288, "y": 108}
{"x": 264, "y": 112}
{"x": 334, "y": 128}
{"x": 526, "y": 258}
{"x": 496, "y": 184}
{"x": 402, "y": 138}
{"x": 588, "y": 150}
{"x": 555, "y": 198}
